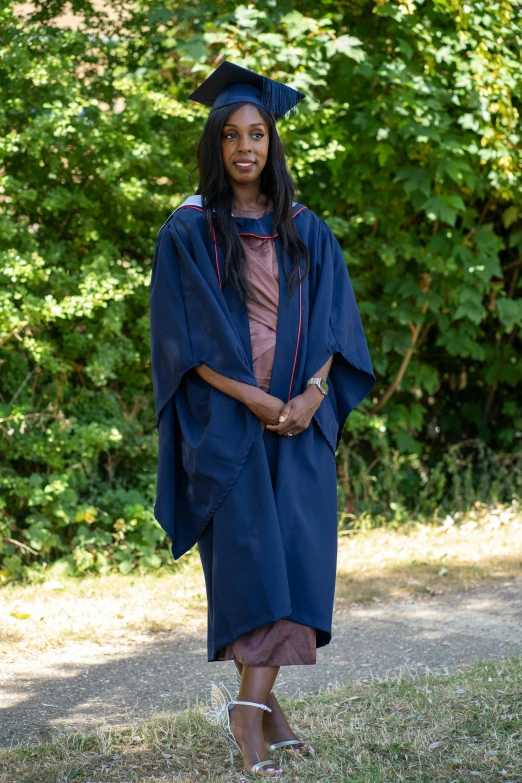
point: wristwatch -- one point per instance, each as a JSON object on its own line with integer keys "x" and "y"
{"x": 320, "y": 383}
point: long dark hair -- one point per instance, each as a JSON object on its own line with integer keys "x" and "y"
{"x": 217, "y": 197}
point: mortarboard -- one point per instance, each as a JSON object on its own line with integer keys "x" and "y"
{"x": 231, "y": 83}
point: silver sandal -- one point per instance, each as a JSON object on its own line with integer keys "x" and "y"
{"x": 219, "y": 715}
{"x": 288, "y": 745}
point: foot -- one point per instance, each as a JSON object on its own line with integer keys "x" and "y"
{"x": 246, "y": 724}
{"x": 277, "y": 729}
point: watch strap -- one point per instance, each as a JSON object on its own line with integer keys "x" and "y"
{"x": 320, "y": 383}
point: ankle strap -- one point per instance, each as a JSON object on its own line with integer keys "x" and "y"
{"x": 251, "y": 704}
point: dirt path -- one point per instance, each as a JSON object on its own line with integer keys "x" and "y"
{"x": 84, "y": 685}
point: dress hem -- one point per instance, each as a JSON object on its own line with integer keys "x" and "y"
{"x": 313, "y": 622}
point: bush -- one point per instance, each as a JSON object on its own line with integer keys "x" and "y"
{"x": 409, "y": 147}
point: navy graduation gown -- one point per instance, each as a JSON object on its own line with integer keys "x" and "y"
{"x": 270, "y": 549}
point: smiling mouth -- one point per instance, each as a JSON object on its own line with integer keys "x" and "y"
{"x": 244, "y": 164}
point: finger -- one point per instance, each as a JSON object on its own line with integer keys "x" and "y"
{"x": 286, "y": 426}
{"x": 283, "y": 426}
{"x": 286, "y": 410}
{"x": 276, "y": 427}
{"x": 294, "y": 428}
{"x": 287, "y": 422}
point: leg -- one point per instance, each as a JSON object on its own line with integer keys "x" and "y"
{"x": 276, "y": 728}
{"x": 275, "y": 724}
{"x": 247, "y": 722}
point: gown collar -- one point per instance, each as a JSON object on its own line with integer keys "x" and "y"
{"x": 261, "y": 228}
{"x": 258, "y": 227}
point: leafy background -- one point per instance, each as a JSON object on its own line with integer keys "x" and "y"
{"x": 409, "y": 146}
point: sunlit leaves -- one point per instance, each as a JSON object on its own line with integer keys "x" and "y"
{"x": 408, "y": 145}
{"x": 347, "y": 45}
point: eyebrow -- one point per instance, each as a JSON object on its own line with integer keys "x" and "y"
{"x": 252, "y": 125}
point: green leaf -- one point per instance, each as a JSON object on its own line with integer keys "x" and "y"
{"x": 515, "y": 239}
{"x": 248, "y": 16}
{"x": 470, "y": 304}
{"x": 405, "y": 48}
{"x": 159, "y": 14}
{"x": 445, "y": 208}
{"x": 510, "y": 215}
{"x": 471, "y": 310}
{"x": 384, "y": 152}
{"x": 414, "y": 179}
{"x": 510, "y": 312}
{"x": 125, "y": 567}
{"x": 460, "y": 172}
{"x": 297, "y": 25}
{"x": 347, "y": 45}
{"x": 274, "y": 40}
{"x": 406, "y": 443}
{"x": 461, "y": 344}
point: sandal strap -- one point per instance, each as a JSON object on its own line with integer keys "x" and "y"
{"x": 252, "y": 704}
{"x": 261, "y": 764}
{"x": 285, "y": 743}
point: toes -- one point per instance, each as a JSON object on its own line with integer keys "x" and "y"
{"x": 270, "y": 772}
{"x": 302, "y": 749}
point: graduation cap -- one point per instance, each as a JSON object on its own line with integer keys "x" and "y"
{"x": 231, "y": 83}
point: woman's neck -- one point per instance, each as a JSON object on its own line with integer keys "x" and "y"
{"x": 248, "y": 197}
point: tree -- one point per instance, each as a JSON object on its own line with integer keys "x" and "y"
{"x": 409, "y": 147}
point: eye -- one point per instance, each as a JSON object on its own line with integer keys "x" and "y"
{"x": 258, "y": 135}
{"x": 229, "y": 135}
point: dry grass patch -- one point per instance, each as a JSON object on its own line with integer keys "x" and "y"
{"x": 433, "y": 729}
{"x": 102, "y": 609}
{"x": 372, "y": 566}
{"x": 485, "y": 549}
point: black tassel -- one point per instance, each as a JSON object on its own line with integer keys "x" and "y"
{"x": 278, "y": 98}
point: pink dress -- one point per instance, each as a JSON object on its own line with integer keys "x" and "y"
{"x": 282, "y": 642}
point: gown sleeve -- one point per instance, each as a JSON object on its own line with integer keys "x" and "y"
{"x": 191, "y": 325}
{"x": 336, "y": 329}
{"x": 189, "y": 319}
{"x": 171, "y": 349}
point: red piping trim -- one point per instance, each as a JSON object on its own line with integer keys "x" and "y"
{"x": 216, "y": 257}
{"x": 298, "y": 334}
{"x": 199, "y": 209}
{"x": 300, "y": 321}
{"x": 245, "y": 234}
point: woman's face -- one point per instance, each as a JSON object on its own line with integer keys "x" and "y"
{"x": 244, "y": 145}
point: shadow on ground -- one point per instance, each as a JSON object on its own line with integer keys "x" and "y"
{"x": 83, "y": 686}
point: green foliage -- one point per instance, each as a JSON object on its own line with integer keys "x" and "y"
{"x": 409, "y": 146}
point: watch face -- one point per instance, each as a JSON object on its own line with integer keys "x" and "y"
{"x": 321, "y": 383}
{"x": 324, "y": 386}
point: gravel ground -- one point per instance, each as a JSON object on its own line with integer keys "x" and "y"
{"x": 87, "y": 685}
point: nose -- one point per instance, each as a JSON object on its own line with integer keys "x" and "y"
{"x": 245, "y": 144}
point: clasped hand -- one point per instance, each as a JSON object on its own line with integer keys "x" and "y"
{"x": 292, "y": 417}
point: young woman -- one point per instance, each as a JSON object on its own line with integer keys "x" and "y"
{"x": 252, "y": 310}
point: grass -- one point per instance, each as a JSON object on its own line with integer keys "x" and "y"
{"x": 377, "y": 565}
{"x": 483, "y": 550}
{"x": 102, "y": 609}
{"x": 459, "y": 728}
